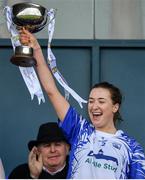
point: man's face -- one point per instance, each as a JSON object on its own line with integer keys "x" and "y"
{"x": 54, "y": 154}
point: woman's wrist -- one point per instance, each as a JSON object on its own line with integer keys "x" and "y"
{"x": 36, "y": 48}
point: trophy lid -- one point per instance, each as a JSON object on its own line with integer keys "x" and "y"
{"x": 29, "y": 15}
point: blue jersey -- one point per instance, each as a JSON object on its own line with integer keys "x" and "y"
{"x": 99, "y": 155}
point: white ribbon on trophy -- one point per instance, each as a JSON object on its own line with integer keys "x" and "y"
{"x": 28, "y": 73}
{"x": 52, "y": 62}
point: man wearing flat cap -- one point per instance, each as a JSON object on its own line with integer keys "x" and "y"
{"x": 48, "y": 157}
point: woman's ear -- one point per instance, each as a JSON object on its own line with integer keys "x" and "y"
{"x": 115, "y": 107}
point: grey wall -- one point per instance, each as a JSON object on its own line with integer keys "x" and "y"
{"x": 90, "y": 19}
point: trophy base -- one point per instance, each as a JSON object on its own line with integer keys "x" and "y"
{"x": 23, "y": 61}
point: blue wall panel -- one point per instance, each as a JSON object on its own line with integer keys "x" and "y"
{"x": 83, "y": 63}
{"x": 19, "y": 116}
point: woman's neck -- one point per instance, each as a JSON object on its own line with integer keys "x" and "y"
{"x": 110, "y": 129}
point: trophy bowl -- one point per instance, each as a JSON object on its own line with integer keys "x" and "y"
{"x": 32, "y": 17}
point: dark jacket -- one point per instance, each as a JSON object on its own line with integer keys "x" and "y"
{"x": 22, "y": 172}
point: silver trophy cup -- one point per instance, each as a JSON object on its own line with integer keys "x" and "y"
{"x": 34, "y": 18}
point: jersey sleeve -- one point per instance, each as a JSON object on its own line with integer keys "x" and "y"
{"x": 137, "y": 166}
{"x": 71, "y": 124}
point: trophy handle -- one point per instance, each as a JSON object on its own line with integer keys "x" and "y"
{"x": 42, "y": 25}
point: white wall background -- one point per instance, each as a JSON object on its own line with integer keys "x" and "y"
{"x": 90, "y": 19}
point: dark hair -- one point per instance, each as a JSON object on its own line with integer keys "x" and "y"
{"x": 116, "y": 97}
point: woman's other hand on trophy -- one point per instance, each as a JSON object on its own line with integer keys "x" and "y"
{"x": 28, "y": 39}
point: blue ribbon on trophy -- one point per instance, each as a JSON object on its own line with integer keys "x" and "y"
{"x": 27, "y": 72}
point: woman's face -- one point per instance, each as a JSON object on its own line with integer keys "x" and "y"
{"x": 101, "y": 109}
